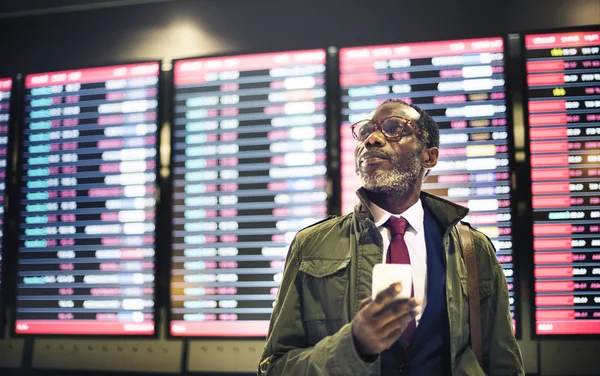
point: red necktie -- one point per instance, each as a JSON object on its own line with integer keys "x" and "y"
{"x": 398, "y": 254}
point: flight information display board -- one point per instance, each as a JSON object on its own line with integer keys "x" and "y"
{"x": 87, "y": 216}
{"x": 249, "y": 171}
{"x": 461, "y": 85}
{"x": 563, "y": 80}
{"x": 5, "y": 92}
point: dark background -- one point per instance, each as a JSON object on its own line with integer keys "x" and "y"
{"x": 46, "y": 35}
{"x": 153, "y": 29}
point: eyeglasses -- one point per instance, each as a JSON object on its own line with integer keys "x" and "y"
{"x": 392, "y": 127}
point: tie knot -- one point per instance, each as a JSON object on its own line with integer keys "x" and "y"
{"x": 398, "y": 225}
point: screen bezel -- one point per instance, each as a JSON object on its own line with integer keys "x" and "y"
{"x": 7, "y": 257}
{"x": 528, "y": 182}
{"x": 329, "y": 109}
{"x": 17, "y": 206}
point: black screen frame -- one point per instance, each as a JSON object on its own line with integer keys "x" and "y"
{"x": 6, "y": 288}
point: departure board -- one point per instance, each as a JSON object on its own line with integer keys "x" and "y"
{"x": 249, "y": 171}
{"x": 563, "y": 80}
{"x": 461, "y": 85}
{"x": 5, "y": 92}
{"x": 87, "y": 215}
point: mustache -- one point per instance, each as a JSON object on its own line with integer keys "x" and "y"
{"x": 374, "y": 154}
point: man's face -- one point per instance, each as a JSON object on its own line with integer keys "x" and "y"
{"x": 390, "y": 167}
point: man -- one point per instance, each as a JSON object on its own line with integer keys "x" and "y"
{"x": 324, "y": 322}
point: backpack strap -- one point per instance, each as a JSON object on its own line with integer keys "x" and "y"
{"x": 468, "y": 252}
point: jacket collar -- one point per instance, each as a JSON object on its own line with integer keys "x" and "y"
{"x": 446, "y": 212}
{"x": 415, "y": 215}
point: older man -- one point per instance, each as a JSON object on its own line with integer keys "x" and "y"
{"x": 324, "y": 322}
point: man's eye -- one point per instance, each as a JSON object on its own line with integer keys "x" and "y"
{"x": 390, "y": 128}
{"x": 366, "y": 130}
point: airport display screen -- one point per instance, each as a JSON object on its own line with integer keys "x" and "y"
{"x": 563, "y": 87}
{"x": 249, "y": 171}
{"x": 86, "y": 252}
{"x": 5, "y": 93}
{"x": 461, "y": 84}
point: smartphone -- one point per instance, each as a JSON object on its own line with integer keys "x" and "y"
{"x": 386, "y": 274}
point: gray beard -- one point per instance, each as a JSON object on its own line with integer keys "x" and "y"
{"x": 400, "y": 181}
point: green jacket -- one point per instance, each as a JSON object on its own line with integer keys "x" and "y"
{"x": 328, "y": 273}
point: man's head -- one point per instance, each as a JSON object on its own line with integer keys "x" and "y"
{"x": 397, "y": 165}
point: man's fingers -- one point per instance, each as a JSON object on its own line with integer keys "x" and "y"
{"x": 394, "y": 310}
{"x": 365, "y": 302}
{"x": 383, "y": 298}
{"x": 394, "y": 328}
{"x": 393, "y": 336}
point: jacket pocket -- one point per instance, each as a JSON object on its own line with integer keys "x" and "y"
{"x": 324, "y": 283}
{"x": 324, "y": 286}
{"x": 485, "y": 310}
{"x": 485, "y": 289}
{"x": 466, "y": 364}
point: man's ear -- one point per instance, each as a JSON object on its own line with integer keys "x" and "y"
{"x": 430, "y": 157}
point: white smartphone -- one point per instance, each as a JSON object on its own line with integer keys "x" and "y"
{"x": 386, "y": 274}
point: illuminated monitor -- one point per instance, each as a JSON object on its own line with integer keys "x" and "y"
{"x": 461, "y": 84}
{"x": 5, "y": 92}
{"x": 563, "y": 89}
{"x": 249, "y": 171}
{"x": 86, "y": 249}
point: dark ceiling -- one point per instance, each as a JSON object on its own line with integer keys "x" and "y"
{"x": 32, "y": 7}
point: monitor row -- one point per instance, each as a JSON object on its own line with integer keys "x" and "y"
{"x": 256, "y": 143}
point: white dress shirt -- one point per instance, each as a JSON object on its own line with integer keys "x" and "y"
{"x": 415, "y": 241}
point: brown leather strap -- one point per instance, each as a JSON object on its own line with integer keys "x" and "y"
{"x": 468, "y": 250}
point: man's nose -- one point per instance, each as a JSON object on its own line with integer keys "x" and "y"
{"x": 375, "y": 139}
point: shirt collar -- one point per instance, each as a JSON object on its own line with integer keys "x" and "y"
{"x": 414, "y": 215}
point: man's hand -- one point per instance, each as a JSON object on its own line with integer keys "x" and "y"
{"x": 380, "y": 322}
